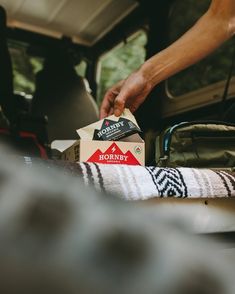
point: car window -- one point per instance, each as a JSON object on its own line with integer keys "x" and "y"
{"x": 81, "y": 68}
{"x": 24, "y": 66}
{"x": 212, "y": 69}
{"x": 119, "y": 62}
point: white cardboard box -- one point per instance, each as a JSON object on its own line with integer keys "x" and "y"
{"x": 128, "y": 150}
{"x": 109, "y": 152}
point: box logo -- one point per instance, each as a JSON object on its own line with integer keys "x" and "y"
{"x": 138, "y": 149}
{"x": 115, "y": 130}
{"x": 113, "y": 155}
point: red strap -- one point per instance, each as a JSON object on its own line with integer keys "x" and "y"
{"x": 4, "y": 131}
{"x": 33, "y": 136}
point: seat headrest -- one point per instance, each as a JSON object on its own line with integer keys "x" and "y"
{"x": 58, "y": 66}
{"x": 3, "y": 20}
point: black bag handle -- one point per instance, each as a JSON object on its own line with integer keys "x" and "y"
{"x": 226, "y": 88}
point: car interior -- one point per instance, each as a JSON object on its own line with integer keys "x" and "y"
{"x": 55, "y": 67}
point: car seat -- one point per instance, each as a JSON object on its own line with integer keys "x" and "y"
{"x": 23, "y": 140}
{"x": 61, "y": 95}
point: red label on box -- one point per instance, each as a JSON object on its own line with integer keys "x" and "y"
{"x": 113, "y": 155}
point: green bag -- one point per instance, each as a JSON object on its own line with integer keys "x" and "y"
{"x": 209, "y": 144}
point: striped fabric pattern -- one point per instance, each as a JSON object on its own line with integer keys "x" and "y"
{"x": 133, "y": 182}
{"x": 140, "y": 183}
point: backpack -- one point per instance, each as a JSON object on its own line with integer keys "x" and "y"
{"x": 205, "y": 144}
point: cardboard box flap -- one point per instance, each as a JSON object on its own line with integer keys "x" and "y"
{"x": 62, "y": 145}
{"x": 111, "y": 128}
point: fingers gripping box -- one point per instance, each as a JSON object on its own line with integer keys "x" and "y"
{"x": 113, "y": 140}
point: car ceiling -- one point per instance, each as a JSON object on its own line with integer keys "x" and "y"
{"x": 85, "y": 21}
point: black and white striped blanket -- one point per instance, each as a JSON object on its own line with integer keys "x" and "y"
{"x": 141, "y": 183}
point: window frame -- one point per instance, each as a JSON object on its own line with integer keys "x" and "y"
{"x": 204, "y": 96}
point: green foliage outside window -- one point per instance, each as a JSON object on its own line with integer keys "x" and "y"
{"x": 120, "y": 62}
{"x": 25, "y": 68}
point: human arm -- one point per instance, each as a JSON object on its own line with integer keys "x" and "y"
{"x": 215, "y": 27}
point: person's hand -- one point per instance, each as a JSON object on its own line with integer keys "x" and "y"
{"x": 129, "y": 93}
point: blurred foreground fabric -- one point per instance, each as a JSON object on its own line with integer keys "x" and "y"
{"x": 59, "y": 236}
